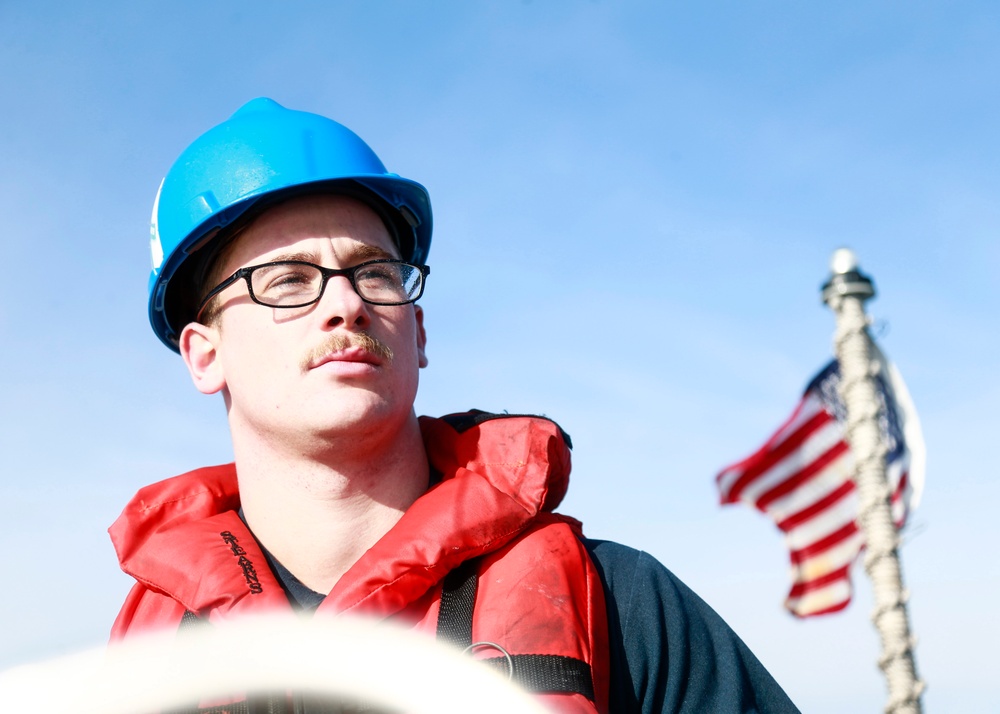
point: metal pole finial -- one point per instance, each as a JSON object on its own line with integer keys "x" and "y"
{"x": 846, "y": 278}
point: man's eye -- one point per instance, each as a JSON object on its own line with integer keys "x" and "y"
{"x": 284, "y": 279}
{"x": 291, "y": 278}
{"x": 378, "y": 274}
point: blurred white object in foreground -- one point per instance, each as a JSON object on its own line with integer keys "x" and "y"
{"x": 343, "y": 658}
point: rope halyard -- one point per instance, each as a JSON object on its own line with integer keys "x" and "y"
{"x": 845, "y": 294}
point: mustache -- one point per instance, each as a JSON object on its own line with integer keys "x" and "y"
{"x": 339, "y": 341}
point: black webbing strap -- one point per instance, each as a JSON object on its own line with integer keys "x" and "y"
{"x": 548, "y": 673}
{"x": 458, "y": 596}
{"x": 536, "y": 673}
{"x": 188, "y": 619}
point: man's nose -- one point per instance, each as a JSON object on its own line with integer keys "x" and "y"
{"x": 341, "y": 306}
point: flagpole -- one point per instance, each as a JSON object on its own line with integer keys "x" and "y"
{"x": 845, "y": 293}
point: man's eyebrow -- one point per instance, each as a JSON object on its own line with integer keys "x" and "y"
{"x": 360, "y": 253}
{"x": 371, "y": 252}
{"x": 301, "y": 256}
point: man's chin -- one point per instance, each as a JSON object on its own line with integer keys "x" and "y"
{"x": 361, "y": 420}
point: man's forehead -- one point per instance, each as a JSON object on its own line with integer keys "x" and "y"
{"x": 291, "y": 226}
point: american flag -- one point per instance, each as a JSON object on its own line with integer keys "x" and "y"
{"x": 801, "y": 478}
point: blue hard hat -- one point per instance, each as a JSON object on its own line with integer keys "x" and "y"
{"x": 261, "y": 154}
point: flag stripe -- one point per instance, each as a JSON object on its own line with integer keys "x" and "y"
{"x": 799, "y": 589}
{"x": 842, "y": 554}
{"x": 900, "y": 496}
{"x": 795, "y": 480}
{"x": 767, "y": 457}
{"x": 823, "y": 524}
{"x": 816, "y": 507}
{"x": 824, "y": 544}
{"x": 812, "y": 612}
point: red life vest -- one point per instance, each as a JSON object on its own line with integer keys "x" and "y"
{"x": 536, "y": 591}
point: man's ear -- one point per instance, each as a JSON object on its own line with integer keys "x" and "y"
{"x": 199, "y": 348}
{"x": 418, "y": 313}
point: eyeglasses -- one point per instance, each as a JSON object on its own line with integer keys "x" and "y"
{"x": 296, "y": 283}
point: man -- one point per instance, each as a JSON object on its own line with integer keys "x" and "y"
{"x": 287, "y": 263}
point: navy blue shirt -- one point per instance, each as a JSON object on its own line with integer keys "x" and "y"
{"x": 670, "y": 651}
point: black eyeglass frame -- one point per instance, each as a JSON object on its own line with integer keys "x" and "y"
{"x": 327, "y": 273}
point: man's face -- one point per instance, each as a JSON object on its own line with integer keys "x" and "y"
{"x": 297, "y": 374}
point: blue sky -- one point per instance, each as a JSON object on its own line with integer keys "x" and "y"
{"x": 634, "y": 204}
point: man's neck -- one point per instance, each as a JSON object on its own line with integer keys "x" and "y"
{"x": 318, "y": 512}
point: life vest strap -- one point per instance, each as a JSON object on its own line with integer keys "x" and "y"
{"x": 534, "y": 672}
